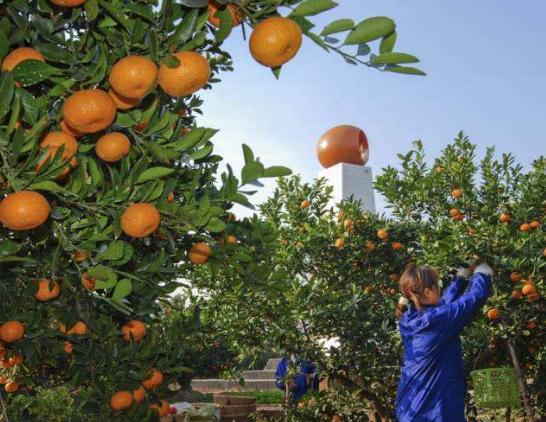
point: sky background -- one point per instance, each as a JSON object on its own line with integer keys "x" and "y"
{"x": 485, "y": 61}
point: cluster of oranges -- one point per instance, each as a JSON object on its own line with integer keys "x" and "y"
{"x": 123, "y": 400}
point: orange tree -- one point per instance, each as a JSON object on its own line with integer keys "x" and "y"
{"x": 110, "y": 190}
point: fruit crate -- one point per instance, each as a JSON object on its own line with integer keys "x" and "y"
{"x": 496, "y": 387}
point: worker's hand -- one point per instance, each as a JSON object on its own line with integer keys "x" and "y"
{"x": 463, "y": 272}
{"x": 484, "y": 268}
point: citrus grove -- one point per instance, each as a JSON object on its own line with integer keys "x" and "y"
{"x": 110, "y": 190}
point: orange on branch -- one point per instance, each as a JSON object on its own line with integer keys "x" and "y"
{"x": 515, "y": 277}
{"x": 232, "y": 240}
{"x": 517, "y": 294}
{"x": 20, "y": 55}
{"x": 457, "y": 193}
{"x": 121, "y": 400}
{"x": 88, "y": 281}
{"x": 121, "y": 102}
{"x": 69, "y": 130}
{"x": 525, "y": 227}
{"x": 505, "y": 217}
{"x": 275, "y": 41}
{"x": 79, "y": 328}
{"x": 493, "y": 314}
{"x": 80, "y": 256}
{"x": 189, "y": 76}
{"x": 89, "y": 110}
{"x": 162, "y": 410}
{"x": 133, "y": 331}
{"x": 11, "y": 387}
{"x": 133, "y": 76}
{"x": 340, "y": 243}
{"x": 140, "y": 220}
{"x": 200, "y": 253}
{"x": 154, "y": 381}
{"x": 139, "y": 394}
{"x": 528, "y": 289}
{"x": 533, "y": 225}
{"x": 234, "y": 11}
{"x": 68, "y": 348}
{"x": 305, "y": 204}
{"x": 52, "y": 142}
{"x": 24, "y": 210}
{"x": 382, "y": 234}
{"x": 47, "y": 290}
{"x": 397, "y": 246}
{"x": 113, "y": 147}
{"x": 170, "y": 197}
{"x": 12, "y": 331}
{"x": 68, "y": 3}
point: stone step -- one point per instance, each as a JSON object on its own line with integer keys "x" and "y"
{"x": 259, "y": 374}
{"x": 271, "y": 364}
{"x": 217, "y": 385}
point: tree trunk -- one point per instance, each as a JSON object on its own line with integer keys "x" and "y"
{"x": 521, "y": 382}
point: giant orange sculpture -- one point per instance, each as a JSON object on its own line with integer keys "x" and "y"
{"x": 343, "y": 144}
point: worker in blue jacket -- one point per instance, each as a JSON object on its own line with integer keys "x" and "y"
{"x": 432, "y": 384}
{"x": 298, "y": 385}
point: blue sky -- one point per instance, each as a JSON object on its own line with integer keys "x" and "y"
{"x": 485, "y": 62}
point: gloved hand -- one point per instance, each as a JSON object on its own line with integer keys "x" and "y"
{"x": 484, "y": 268}
{"x": 463, "y": 272}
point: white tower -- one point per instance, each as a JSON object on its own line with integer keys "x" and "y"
{"x": 343, "y": 152}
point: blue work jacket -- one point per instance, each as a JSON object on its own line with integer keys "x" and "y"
{"x": 300, "y": 380}
{"x": 432, "y": 383}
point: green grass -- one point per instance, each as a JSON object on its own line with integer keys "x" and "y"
{"x": 262, "y": 397}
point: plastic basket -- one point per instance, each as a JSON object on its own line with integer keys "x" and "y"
{"x": 496, "y": 387}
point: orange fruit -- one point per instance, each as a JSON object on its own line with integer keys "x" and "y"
{"x": 11, "y": 387}
{"x": 162, "y": 410}
{"x": 133, "y": 330}
{"x": 493, "y": 314}
{"x": 68, "y": 347}
{"x": 80, "y": 256}
{"x": 275, "y": 41}
{"x": 305, "y": 203}
{"x": 69, "y": 130}
{"x": 191, "y": 74}
{"x": 525, "y": 227}
{"x": 170, "y": 197}
{"x": 232, "y": 240}
{"x": 140, "y": 220}
{"x": 47, "y": 290}
{"x": 12, "y": 331}
{"x": 340, "y": 243}
{"x": 122, "y": 400}
{"x": 52, "y": 142}
{"x": 457, "y": 193}
{"x": 368, "y": 289}
{"x": 515, "y": 277}
{"x": 89, "y": 110}
{"x": 534, "y": 225}
{"x": 139, "y": 394}
{"x": 154, "y": 381}
{"x": 505, "y": 217}
{"x": 24, "y": 210}
{"x": 459, "y": 217}
{"x": 79, "y": 328}
{"x": 200, "y": 253}
{"x": 121, "y": 102}
{"x": 236, "y": 15}
{"x": 68, "y": 3}
{"x": 133, "y": 76}
{"x": 16, "y": 359}
{"x": 440, "y": 170}
{"x": 454, "y": 212}
{"x": 336, "y": 418}
{"x": 397, "y": 246}
{"x": 517, "y": 294}
{"x": 528, "y": 289}
{"x": 534, "y": 297}
{"x": 348, "y": 224}
{"x": 88, "y": 281}
{"x": 20, "y": 55}
{"x": 382, "y": 234}
{"x": 113, "y": 147}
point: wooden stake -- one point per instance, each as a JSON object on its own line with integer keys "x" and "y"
{"x": 521, "y": 382}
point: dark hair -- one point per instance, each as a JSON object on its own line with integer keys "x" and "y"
{"x": 413, "y": 283}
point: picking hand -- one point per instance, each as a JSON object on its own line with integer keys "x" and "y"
{"x": 484, "y": 268}
{"x": 463, "y": 272}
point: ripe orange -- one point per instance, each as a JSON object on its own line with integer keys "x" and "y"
{"x": 139, "y": 394}
{"x": 525, "y": 227}
{"x": 11, "y": 387}
{"x": 69, "y": 130}
{"x": 89, "y": 110}
{"x": 154, "y": 381}
{"x": 200, "y": 253}
{"x": 24, "y": 210}
{"x": 16, "y": 359}
{"x": 113, "y": 147}
{"x": 517, "y": 294}
{"x": 457, "y": 193}
{"x": 534, "y": 297}
{"x": 80, "y": 256}
{"x": 133, "y": 331}
{"x": 493, "y": 314}
{"x": 133, "y": 76}
{"x": 275, "y": 41}
{"x": 340, "y": 243}
{"x": 121, "y": 400}
{"x": 397, "y": 246}
{"x": 79, "y": 329}
{"x": 162, "y": 410}
{"x": 47, "y": 290}
{"x": 68, "y": 348}
{"x": 236, "y": 15}
{"x": 528, "y": 289}
{"x": 348, "y": 224}
{"x": 515, "y": 277}
{"x": 505, "y": 217}
{"x": 52, "y": 142}
{"x": 454, "y": 212}
{"x": 140, "y": 220}
{"x": 68, "y": 3}
{"x": 192, "y": 74}
{"x": 305, "y": 203}
{"x": 12, "y": 331}
{"x": 368, "y": 289}
{"x": 534, "y": 225}
{"x": 20, "y": 55}
{"x": 232, "y": 240}
{"x": 382, "y": 234}
{"x": 459, "y": 217}
{"x": 440, "y": 170}
{"x": 88, "y": 281}
{"x": 121, "y": 102}
{"x": 170, "y": 197}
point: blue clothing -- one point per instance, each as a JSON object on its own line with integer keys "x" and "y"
{"x": 300, "y": 380}
{"x": 432, "y": 384}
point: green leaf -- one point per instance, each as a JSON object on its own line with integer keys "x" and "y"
{"x": 276, "y": 71}
{"x": 387, "y": 43}
{"x": 48, "y": 186}
{"x": 154, "y": 173}
{"x": 370, "y": 29}
{"x": 113, "y": 252}
{"x": 215, "y": 225}
{"x": 313, "y": 7}
{"x": 277, "y": 171}
{"x": 251, "y": 171}
{"x": 248, "y": 154}
{"x": 319, "y": 41}
{"x": 338, "y": 26}
{"x": 7, "y": 88}
{"x": 105, "y": 277}
{"x": 30, "y": 72}
{"x": 123, "y": 288}
{"x": 4, "y": 45}
{"x": 8, "y": 247}
{"x": 394, "y": 58}
{"x": 406, "y": 70}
